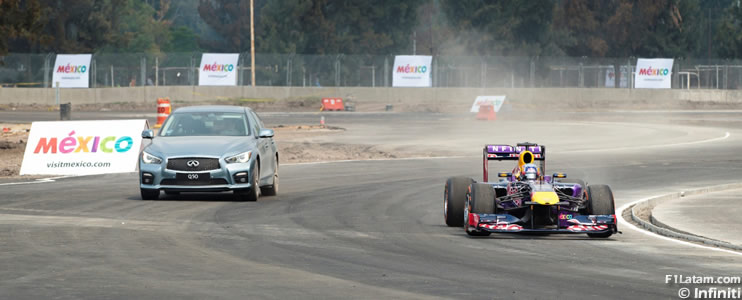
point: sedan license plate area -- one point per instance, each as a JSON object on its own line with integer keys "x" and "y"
{"x": 193, "y": 178}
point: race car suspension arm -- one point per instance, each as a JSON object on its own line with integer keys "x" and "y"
{"x": 572, "y": 200}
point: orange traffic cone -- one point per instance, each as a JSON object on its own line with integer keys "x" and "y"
{"x": 486, "y": 112}
{"x": 163, "y": 111}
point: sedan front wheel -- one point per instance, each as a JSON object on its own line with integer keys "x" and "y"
{"x": 253, "y": 192}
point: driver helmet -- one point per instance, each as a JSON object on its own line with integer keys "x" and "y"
{"x": 530, "y": 172}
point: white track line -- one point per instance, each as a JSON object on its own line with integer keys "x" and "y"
{"x": 624, "y": 222}
{"x": 40, "y": 180}
{"x": 726, "y": 136}
{"x": 375, "y": 159}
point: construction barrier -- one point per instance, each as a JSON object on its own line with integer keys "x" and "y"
{"x": 163, "y": 111}
{"x": 330, "y": 104}
{"x": 486, "y": 112}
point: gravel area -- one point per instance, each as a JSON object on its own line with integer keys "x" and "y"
{"x": 294, "y": 142}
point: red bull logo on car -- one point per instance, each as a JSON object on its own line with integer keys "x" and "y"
{"x": 83, "y": 144}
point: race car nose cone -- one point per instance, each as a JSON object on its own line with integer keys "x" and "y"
{"x": 545, "y": 198}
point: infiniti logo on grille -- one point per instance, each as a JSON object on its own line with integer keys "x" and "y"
{"x": 192, "y": 163}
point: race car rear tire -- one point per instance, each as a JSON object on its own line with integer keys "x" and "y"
{"x": 600, "y": 202}
{"x": 454, "y": 199}
{"x": 149, "y": 194}
{"x": 480, "y": 200}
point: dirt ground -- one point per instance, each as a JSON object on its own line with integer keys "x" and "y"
{"x": 294, "y": 142}
{"x": 12, "y": 144}
{"x": 313, "y": 104}
{"x": 310, "y": 104}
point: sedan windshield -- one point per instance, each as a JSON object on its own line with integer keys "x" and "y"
{"x": 206, "y": 124}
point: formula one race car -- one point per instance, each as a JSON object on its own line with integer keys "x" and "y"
{"x": 526, "y": 200}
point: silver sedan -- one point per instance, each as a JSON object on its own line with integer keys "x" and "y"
{"x": 210, "y": 148}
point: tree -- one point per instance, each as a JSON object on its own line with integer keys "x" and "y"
{"x": 518, "y": 27}
{"x": 143, "y": 28}
{"x": 20, "y": 22}
{"x": 230, "y": 19}
{"x": 729, "y": 33}
{"x": 312, "y": 27}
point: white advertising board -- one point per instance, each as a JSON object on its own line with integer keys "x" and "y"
{"x": 83, "y": 147}
{"x": 218, "y": 69}
{"x": 72, "y": 71}
{"x": 412, "y": 71}
{"x": 495, "y": 101}
{"x": 653, "y": 73}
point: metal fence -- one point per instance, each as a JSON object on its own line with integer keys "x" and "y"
{"x": 178, "y": 69}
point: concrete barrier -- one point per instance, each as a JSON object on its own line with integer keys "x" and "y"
{"x": 568, "y": 98}
{"x": 656, "y": 226}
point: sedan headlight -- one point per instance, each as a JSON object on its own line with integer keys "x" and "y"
{"x": 239, "y": 158}
{"x": 150, "y": 159}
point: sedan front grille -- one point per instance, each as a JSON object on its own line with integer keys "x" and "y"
{"x": 213, "y": 181}
{"x": 193, "y": 164}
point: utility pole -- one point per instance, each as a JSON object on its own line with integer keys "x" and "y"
{"x": 252, "y": 43}
{"x": 414, "y": 42}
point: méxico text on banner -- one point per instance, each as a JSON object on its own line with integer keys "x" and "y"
{"x": 218, "y": 69}
{"x": 83, "y": 147}
{"x": 653, "y": 73}
{"x": 72, "y": 71}
{"x": 412, "y": 71}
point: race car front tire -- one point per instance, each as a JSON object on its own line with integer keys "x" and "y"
{"x": 480, "y": 200}
{"x": 600, "y": 202}
{"x": 454, "y": 199}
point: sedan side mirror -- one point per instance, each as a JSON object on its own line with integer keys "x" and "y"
{"x": 266, "y": 133}
{"x": 148, "y": 134}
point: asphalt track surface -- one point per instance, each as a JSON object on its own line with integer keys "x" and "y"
{"x": 373, "y": 229}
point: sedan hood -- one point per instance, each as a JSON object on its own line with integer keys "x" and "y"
{"x": 194, "y": 146}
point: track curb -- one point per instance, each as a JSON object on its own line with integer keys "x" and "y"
{"x": 658, "y": 227}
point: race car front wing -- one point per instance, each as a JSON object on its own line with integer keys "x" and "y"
{"x": 505, "y": 223}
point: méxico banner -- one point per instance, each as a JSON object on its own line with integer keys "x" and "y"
{"x": 495, "y": 101}
{"x": 218, "y": 69}
{"x": 72, "y": 70}
{"x": 412, "y": 71}
{"x": 83, "y": 147}
{"x": 653, "y": 73}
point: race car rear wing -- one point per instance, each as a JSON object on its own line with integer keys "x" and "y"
{"x": 507, "y": 152}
